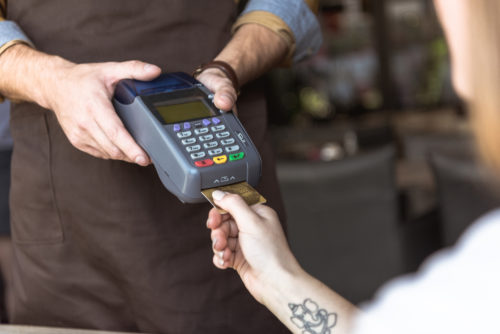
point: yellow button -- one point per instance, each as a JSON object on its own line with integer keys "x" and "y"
{"x": 221, "y": 159}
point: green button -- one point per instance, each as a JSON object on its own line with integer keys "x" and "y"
{"x": 236, "y": 156}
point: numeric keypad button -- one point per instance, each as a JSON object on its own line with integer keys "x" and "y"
{"x": 184, "y": 134}
{"x": 197, "y": 155}
{"x": 212, "y": 144}
{"x": 193, "y": 148}
{"x": 201, "y": 131}
{"x": 218, "y": 128}
{"x": 233, "y": 148}
{"x": 224, "y": 134}
{"x": 215, "y": 151}
{"x": 229, "y": 141}
{"x": 188, "y": 141}
{"x": 206, "y": 137}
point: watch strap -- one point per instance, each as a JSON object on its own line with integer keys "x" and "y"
{"x": 222, "y": 66}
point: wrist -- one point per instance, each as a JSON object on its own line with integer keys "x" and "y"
{"x": 38, "y": 70}
{"x": 53, "y": 74}
{"x": 282, "y": 283}
{"x": 252, "y": 51}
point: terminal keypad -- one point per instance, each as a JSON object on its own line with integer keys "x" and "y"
{"x": 208, "y": 142}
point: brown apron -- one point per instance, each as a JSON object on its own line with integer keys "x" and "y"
{"x": 101, "y": 244}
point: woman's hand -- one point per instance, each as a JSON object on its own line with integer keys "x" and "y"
{"x": 250, "y": 240}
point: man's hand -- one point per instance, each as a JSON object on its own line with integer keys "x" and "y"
{"x": 79, "y": 95}
{"x": 224, "y": 93}
{"x": 81, "y": 99}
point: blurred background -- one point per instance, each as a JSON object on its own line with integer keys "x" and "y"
{"x": 375, "y": 158}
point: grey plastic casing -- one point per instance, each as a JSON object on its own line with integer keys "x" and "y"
{"x": 173, "y": 164}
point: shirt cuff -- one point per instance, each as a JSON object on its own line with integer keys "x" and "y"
{"x": 273, "y": 23}
{"x": 299, "y": 19}
{"x": 10, "y": 35}
{"x": 9, "y": 32}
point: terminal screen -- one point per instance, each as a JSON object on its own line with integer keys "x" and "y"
{"x": 174, "y": 113}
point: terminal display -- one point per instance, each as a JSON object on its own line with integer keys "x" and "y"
{"x": 173, "y": 113}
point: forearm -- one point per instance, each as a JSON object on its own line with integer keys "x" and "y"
{"x": 25, "y": 73}
{"x": 252, "y": 51}
{"x": 293, "y": 293}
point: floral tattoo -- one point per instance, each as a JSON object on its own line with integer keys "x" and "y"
{"x": 311, "y": 319}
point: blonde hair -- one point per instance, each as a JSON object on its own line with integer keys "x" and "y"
{"x": 484, "y": 71}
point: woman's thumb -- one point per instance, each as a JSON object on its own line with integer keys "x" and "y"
{"x": 243, "y": 215}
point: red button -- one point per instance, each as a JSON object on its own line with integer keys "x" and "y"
{"x": 204, "y": 163}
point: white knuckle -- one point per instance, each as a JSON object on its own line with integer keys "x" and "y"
{"x": 112, "y": 134}
{"x": 74, "y": 139}
{"x": 115, "y": 154}
{"x": 135, "y": 63}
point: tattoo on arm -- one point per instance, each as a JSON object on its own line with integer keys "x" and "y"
{"x": 311, "y": 319}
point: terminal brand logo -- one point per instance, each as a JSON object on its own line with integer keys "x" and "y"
{"x": 224, "y": 179}
{"x": 242, "y": 138}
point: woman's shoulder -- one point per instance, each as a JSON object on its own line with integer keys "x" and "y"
{"x": 455, "y": 291}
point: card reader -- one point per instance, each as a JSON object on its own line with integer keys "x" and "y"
{"x": 193, "y": 145}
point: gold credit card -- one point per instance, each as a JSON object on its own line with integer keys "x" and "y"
{"x": 246, "y": 191}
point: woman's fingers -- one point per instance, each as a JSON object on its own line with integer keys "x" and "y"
{"x": 244, "y": 217}
{"x": 215, "y": 218}
{"x": 223, "y": 259}
{"x": 221, "y": 235}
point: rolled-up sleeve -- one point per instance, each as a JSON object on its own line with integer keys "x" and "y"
{"x": 10, "y": 33}
{"x": 294, "y": 20}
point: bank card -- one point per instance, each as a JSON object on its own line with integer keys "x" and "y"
{"x": 246, "y": 191}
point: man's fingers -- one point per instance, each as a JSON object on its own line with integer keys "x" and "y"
{"x": 134, "y": 69}
{"x": 115, "y": 131}
{"x": 105, "y": 145}
{"x": 93, "y": 152}
{"x": 83, "y": 140}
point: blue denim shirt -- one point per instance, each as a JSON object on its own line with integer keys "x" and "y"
{"x": 301, "y": 20}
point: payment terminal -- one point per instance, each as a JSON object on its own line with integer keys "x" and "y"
{"x": 193, "y": 145}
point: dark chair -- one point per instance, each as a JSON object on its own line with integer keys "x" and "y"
{"x": 465, "y": 191}
{"x": 343, "y": 220}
